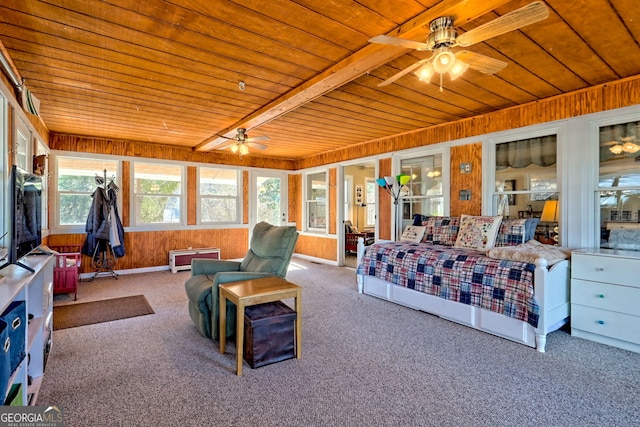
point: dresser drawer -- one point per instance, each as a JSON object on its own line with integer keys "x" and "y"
{"x": 607, "y": 323}
{"x": 624, "y": 299}
{"x": 597, "y": 268}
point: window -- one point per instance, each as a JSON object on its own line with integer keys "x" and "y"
{"x": 316, "y": 193}
{"x": 423, "y": 194}
{"x": 370, "y": 200}
{"x": 76, "y": 182}
{"x": 618, "y": 193}
{"x": 526, "y": 176}
{"x": 157, "y": 190}
{"x": 219, "y": 195}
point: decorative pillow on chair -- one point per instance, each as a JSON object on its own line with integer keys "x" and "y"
{"x": 412, "y": 234}
{"x": 477, "y": 232}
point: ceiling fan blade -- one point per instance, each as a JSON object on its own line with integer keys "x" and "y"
{"x": 403, "y": 72}
{"x": 258, "y": 138}
{"x": 533, "y": 12}
{"x": 396, "y": 41}
{"x": 256, "y": 145}
{"x": 482, "y": 63}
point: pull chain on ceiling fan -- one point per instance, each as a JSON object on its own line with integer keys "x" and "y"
{"x": 443, "y": 36}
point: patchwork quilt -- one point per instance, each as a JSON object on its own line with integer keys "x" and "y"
{"x": 464, "y": 275}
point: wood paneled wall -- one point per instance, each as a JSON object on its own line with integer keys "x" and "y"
{"x": 470, "y": 153}
{"x": 295, "y": 199}
{"x": 384, "y": 215}
{"x": 151, "y": 248}
{"x": 320, "y": 247}
{"x": 192, "y": 190}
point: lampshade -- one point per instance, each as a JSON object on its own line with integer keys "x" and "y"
{"x": 244, "y": 149}
{"x": 403, "y": 179}
{"x": 443, "y": 61}
{"x": 458, "y": 69}
{"x": 425, "y": 72}
{"x": 234, "y": 148}
{"x": 550, "y": 211}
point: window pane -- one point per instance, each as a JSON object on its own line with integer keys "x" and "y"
{"x": 76, "y": 183}
{"x": 268, "y": 199}
{"x": 219, "y": 209}
{"x": 526, "y": 176}
{"x": 423, "y": 194}
{"x": 316, "y": 200}
{"x": 619, "y": 187}
{"x": 158, "y": 193}
{"x": 219, "y": 195}
{"x": 218, "y": 182}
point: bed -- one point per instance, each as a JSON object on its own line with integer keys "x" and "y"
{"x": 515, "y": 293}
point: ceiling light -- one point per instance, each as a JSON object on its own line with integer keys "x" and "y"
{"x": 243, "y": 149}
{"x": 625, "y": 145}
{"x": 444, "y": 61}
{"x": 234, "y": 148}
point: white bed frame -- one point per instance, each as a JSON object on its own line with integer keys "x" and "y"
{"x": 551, "y": 287}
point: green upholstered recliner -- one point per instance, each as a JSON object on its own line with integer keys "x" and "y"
{"x": 269, "y": 254}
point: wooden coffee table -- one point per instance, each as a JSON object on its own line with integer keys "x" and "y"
{"x": 251, "y": 292}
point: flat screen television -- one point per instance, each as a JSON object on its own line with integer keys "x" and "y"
{"x": 26, "y": 215}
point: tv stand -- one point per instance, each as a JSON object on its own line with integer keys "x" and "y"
{"x": 19, "y": 264}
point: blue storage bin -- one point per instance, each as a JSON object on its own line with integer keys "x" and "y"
{"x": 5, "y": 365}
{"x": 15, "y": 316}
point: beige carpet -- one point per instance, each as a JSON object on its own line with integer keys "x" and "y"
{"x": 89, "y": 313}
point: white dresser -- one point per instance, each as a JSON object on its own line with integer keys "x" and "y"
{"x": 605, "y": 297}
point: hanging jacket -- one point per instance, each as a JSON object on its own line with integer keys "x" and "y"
{"x": 117, "y": 230}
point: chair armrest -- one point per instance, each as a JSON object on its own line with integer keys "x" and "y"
{"x": 212, "y": 266}
{"x": 236, "y": 276}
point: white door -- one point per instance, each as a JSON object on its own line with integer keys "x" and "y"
{"x": 268, "y": 198}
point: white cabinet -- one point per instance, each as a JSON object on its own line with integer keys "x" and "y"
{"x": 605, "y": 297}
{"x": 36, "y": 289}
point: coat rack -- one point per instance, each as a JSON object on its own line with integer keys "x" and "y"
{"x": 103, "y": 258}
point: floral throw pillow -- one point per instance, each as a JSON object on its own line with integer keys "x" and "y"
{"x": 477, "y": 232}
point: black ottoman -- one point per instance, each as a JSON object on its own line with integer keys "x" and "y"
{"x": 269, "y": 333}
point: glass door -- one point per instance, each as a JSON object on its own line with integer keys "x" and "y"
{"x": 269, "y": 198}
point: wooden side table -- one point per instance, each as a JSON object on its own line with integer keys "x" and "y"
{"x": 251, "y": 292}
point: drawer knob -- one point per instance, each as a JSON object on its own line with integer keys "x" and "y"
{"x": 601, "y": 296}
{"x": 600, "y": 269}
{"x": 600, "y": 322}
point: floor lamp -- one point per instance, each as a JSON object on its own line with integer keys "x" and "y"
{"x": 393, "y": 186}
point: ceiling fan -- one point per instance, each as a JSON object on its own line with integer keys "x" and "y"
{"x": 241, "y": 142}
{"x": 444, "y": 36}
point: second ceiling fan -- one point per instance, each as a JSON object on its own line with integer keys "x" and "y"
{"x": 443, "y": 37}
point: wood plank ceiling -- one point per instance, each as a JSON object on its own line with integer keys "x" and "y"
{"x": 168, "y": 72}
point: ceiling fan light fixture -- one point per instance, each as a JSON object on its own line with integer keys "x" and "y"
{"x": 244, "y": 149}
{"x": 458, "y": 68}
{"x": 443, "y": 60}
{"x": 425, "y": 72}
{"x": 234, "y": 148}
{"x": 630, "y": 147}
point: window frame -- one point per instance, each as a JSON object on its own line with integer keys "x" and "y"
{"x": 55, "y": 200}
{"x": 237, "y": 197}
{"x": 308, "y": 201}
{"x": 141, "y": 226}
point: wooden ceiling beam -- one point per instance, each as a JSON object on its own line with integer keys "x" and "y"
{"x": 368, "y": 58}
